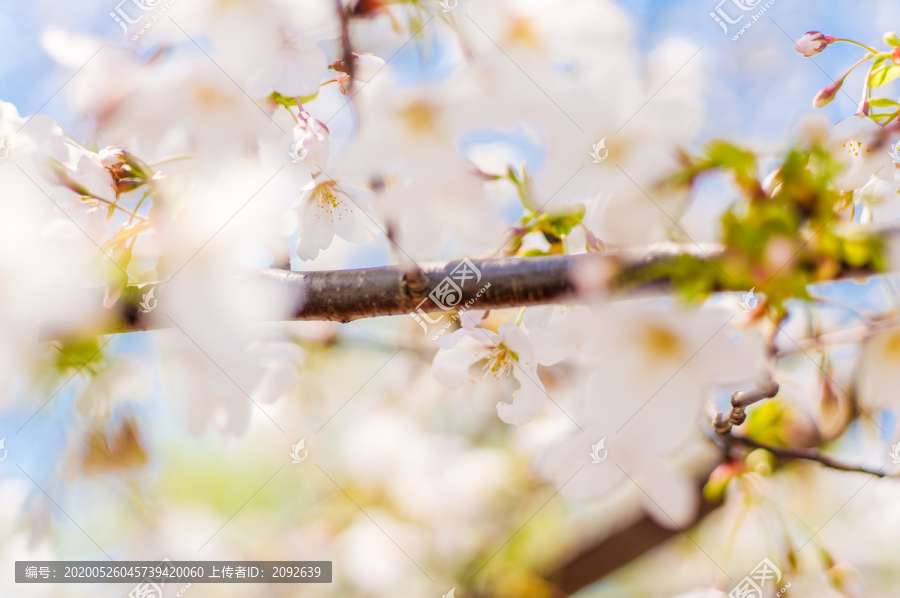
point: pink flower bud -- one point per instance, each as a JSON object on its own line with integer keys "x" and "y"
{"x": 112, "y": 157}
{"x": 311, "y": 142}
{"x": 812, "y": 43}
{"x": 365, "y": 66}
{"x": 826, "y": 94}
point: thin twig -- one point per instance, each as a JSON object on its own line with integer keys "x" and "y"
{"x": 347, "y": 61}
{"x": 805, "y": 454}
{"x": 740, "y": 400}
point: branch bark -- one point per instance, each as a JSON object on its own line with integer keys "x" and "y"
{"x": 791, "y": 453}
{"x": 346, "y": 295}
{"x": 620, "y": 548}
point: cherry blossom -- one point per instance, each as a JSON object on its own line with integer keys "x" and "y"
{"x": 327, "y": 207}
{"x": 280, "y": 53}
{"x": 408, "y": 141}
{"x": 880, "y": 373}
{"x": 812, "y": 43}
{"x": 311, "y": 142}
{"x": 479, "y": 355}
{"x": 643, "y": 397}
{"x": 861, "y": 145}
{"x": 880, "y": 197}
{"x": 227, "y": 362}
{"x": 555, "y": 331}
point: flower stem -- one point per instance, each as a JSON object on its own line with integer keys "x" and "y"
{"x": 850, "y": 41}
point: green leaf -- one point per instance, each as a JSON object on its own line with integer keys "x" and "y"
{"x": 288, "y": 101}
{"x": 884, "y": 74}
{"x": 883, "y": 103}
{"x": 560, "y": 224}
{"x": 76, "y": 353}
{"x": 885, "y": 116}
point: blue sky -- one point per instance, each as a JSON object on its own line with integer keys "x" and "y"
{"x": 756, "y": 90}
{"x": 757, "y": 86}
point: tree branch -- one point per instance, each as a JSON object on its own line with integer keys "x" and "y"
{"x": 740, "y": 400}
{"x": 620, "y": 548}
{"x": 629, "y": 543}
{"x": 804, "y": 454}
{"x": 347, "y": 295}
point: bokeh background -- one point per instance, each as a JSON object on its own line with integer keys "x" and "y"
{"x": 408, "y": 487}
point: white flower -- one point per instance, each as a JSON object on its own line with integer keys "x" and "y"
{"x": 648, "y": 345}
{"x": 880, "y": 197}
{"x": 408, "y": 139}
{"x": 555, "y": 331}
{"x": 654, "y": 362}
{"x": 636, "y": 449}
{"x": 880, "y": 369}
{"x": 178, "y": 103}
{"x": 479, "y": 355}
{"x": 45, "y": 259}
{"x": 269, "y": 45}
{"x": 538, "y": 30}
{"x": 641, "y": 149}
{"x": 84, "y": 171}
{"x": 311, "y": 142}
{"x": 326, "y": 208}
{"x": 226, "y": 359}
{"x": 861, "y": 145}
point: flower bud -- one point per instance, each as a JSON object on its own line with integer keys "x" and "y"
{"x": 311, "y": 142}
{"x": 826, "y": 94}
{"x": 891, "y": 39}
{"x": 365, "y": 66}
{"x": 812, "y": 43}
{"x": 112, "y": 157}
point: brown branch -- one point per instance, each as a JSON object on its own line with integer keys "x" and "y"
{"x": 346, "y": 295}
{"x": 347, "y": 58}
{"x": 740, "y": 400}
{"x": 804, "y": 454}
{"x": 622, "y": 547}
